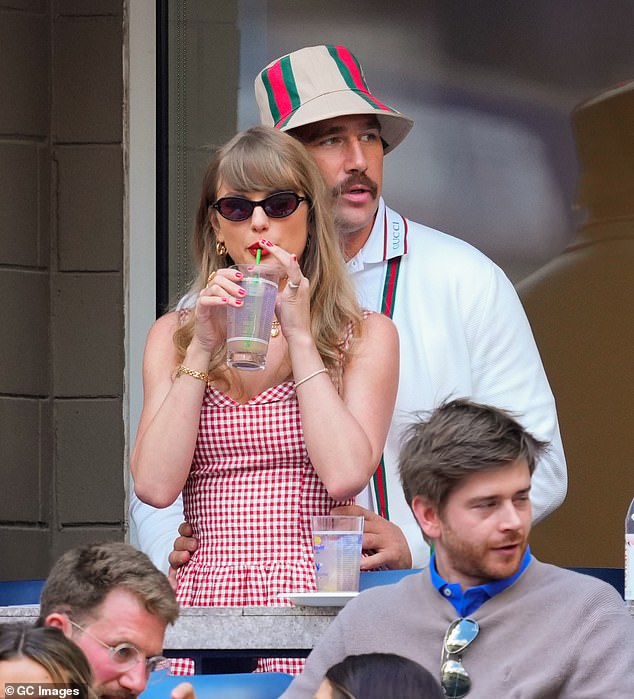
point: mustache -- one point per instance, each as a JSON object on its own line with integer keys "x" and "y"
{"x": 353, "y": 181}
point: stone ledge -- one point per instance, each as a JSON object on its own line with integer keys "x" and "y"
{"x": 229, "y": 628}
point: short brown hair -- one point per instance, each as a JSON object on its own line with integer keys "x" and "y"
{"x": 456, "y": 439}
{"x": 82, "y": 578}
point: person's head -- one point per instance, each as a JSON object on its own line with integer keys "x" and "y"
{"x": 466, "y": 473}
{"x": 604, "y": 137}
{"x": 115, "y": 604}
{"x": 319, "y": 94}
{"x": 378, "y": 676}
{"x": 42, "y": 655}
{"x": 255, "y": 164}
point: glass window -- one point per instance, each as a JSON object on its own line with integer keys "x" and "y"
{"x": 490, "y": 87}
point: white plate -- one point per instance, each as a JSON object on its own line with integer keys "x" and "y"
{"x": 321, "y": 599}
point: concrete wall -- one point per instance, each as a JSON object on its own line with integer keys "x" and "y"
{"x": 61, "y": 279}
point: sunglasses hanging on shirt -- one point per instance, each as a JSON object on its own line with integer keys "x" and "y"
{"x": 454, "y": 679}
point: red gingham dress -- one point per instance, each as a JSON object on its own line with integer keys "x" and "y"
{"x": 249, "y": 497}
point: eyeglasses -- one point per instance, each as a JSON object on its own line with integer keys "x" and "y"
{"x": 126, "y": 655}
{"x": 454, "y": 679}
{"x": 278, "y": 205}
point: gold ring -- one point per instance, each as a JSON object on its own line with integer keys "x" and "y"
{"x": 292, "y": 286}
{"x": 210, "y": 278}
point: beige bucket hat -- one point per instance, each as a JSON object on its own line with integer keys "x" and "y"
{"x": 318, "y": 83}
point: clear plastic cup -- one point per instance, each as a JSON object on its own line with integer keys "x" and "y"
{"x": 249, "y": 326}
{"x": 337, "y": 550}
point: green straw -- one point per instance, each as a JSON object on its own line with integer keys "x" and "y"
{"x": 258, "y": 255}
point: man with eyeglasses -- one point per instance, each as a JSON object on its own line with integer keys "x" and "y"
{"x": 462, "y": 329}
{"x": 488, "y": 617}
{"x": 115, "y": 604}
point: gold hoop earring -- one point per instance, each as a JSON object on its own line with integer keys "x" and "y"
{"x": 221, "y": 248}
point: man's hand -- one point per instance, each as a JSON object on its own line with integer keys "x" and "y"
{"x": 184, "y": 546}
{"x": 184, "y": 690}
{"x": 386, "y": 540}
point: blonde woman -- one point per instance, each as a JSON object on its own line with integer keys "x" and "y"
{"x": 257, "y": 453}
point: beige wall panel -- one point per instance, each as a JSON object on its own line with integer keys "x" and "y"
{"x": 19, "y": 439}
{"x": 19, "y": 205}
{"x": 88, "y": 335}
{"x": 62, "y": 78}
{"x": 24, "y": 74}
{"x": 24, "y": 318}
{"x": 70, "y": 537}
{"x": 89, "y": 461}
{"x": 87, "y": 80}
{"x": 25, "y": 553}
{"x": 90, "y": 208}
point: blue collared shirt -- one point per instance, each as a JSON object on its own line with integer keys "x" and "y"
{"x": 467, "y": 602}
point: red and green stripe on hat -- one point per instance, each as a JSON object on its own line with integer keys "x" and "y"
{"x": 291, "y": 81}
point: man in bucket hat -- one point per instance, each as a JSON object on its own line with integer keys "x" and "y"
{"x": 319, "y": 83}
{"x": 462, "y": 329}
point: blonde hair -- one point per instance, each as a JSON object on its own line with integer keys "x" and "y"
{"x": 265, "y": 159}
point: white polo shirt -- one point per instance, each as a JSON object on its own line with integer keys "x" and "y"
{"x": 463, "y": 334}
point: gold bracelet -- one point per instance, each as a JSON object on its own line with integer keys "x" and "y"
{"x": 310, "y": 376}
{"x": 200, "y": 375}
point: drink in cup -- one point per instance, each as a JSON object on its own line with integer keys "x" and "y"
{"x": 249, "y": 326}
{"x": 337, "y": 551}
